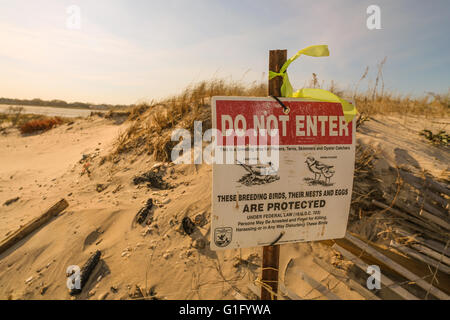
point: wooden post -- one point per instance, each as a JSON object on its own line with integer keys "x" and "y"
{"x": 276, "y": 60}
{"x": 271, "y": 254}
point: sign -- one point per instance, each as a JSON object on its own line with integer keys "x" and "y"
{"x": 282, "y": 172}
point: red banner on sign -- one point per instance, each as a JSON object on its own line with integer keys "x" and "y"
{"x": 306, "y": 123}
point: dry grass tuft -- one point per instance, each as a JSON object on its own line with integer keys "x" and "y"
{"x": 152, "y": 124}
{"x": 392, "y": 104}
{"x": 378, "y": 101}
{"x": 40, "y": 125}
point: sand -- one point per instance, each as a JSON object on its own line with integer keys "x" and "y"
{"x": 158, "y": 259}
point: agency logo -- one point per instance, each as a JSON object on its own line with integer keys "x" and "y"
{"x": 223, "y": 236}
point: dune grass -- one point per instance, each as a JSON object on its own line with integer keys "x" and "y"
{"x": 151, "y": 124}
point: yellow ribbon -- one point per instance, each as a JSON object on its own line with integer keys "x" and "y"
{"x": 315, "y": 94}
{"x": 324, "y": 95}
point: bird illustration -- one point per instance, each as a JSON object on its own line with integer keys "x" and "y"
{"x": 259, "y": 169}
{"x": 319, "y": 169}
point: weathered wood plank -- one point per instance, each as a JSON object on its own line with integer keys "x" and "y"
{"x": 433, "y": 236}
{"x": 438, "y": 247}
{"x": 398, "y": 268}
{"x": 316, "y": 285}
{"x": 428, "y": 193}
{"x": 431, "y": 208}
{"x": 431, "y": 253}
{"x": 287, "y": 292}
{"x": 441, "y": 279}
{"x": 346, "y": 279}
{"x": 422, "y": 214}
{"x": 438, "y": 199}
{"x": 238, "y": 296}
{"x": 417, "y": 255}
{"x": 428, "y": 182}
{"x": 408, "y": 217}
{"x": 402, "y": 292}
{"x": 255, "y": 290}
{"x": 31, "y": 226}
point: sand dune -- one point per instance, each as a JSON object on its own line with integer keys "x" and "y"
{"x": 157, "y": 258}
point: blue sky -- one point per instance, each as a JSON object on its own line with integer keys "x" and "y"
{"x": 129, "y": 51}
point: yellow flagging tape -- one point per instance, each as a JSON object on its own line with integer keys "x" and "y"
{"x": 315, "y": 94}
{"x": 324, "y": 95}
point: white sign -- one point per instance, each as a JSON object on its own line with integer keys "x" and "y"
{"x": 282, "y": 173}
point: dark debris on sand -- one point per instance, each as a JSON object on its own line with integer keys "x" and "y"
{"x": 153, "y": 178}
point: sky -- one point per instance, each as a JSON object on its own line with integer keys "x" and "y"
{"x": 131, "y": 51}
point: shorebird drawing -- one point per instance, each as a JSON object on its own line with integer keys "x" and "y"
{"x": 319, "y": 169}
{"x": 258, "y": 174}
{"x": 259, "y": 169}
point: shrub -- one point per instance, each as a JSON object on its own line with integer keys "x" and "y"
{"x": 40, "y": 125}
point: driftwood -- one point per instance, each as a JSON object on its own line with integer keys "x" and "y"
{"x": 402, "y": 292}
{"x": 347, "y": 279}
{"x": 10, "y": 201}
{"x": 421, "y": 257}
{"x": 397, "y": 267}
{"x": 143, "y": 212}
{"x": 25, "y": 230}
{"x": 86, "y": 271}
